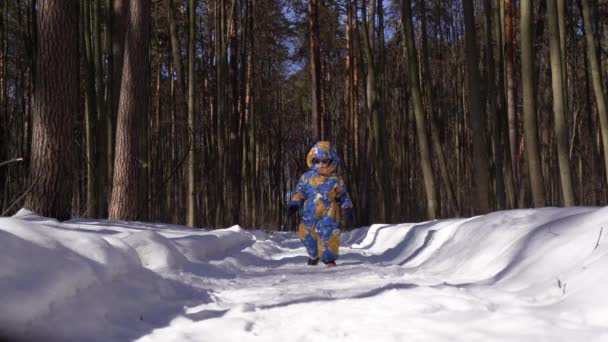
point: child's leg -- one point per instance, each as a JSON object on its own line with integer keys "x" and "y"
{"x": 330, "y": 242}
{"x": 309, "y": 238}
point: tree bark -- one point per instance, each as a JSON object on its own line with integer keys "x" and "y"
{"x": 557, "y": 82}
{"x": 191, "y": 192}
{"x": 120, "y": 12}
{"x": 101, "y": 134}
{"x": 423, "y": 143}
{"x": 90, "y": 114}
{"x": 596, "y": 77}
{"x": 509, "y": 13}
{"x": 480, "y": 149}
{"x": 529, "y": 104}
{"x": 55, "y": 104}
{"x": 315, "y": 65}
{"x": 133, "y": 105}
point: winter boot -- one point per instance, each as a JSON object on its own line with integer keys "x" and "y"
{"x": 313, "y": 262}
{"x": 330, "y": 263}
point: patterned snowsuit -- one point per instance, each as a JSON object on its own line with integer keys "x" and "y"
{"x": 323, "y": 196}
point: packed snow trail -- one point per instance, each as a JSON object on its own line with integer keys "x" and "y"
{"x": 519, "y": 275}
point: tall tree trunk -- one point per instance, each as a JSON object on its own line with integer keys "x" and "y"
{"x": 561, "y": 19}
{"x": 376, "y": 145}
{"x": 90, "y": 113}
{"x": 439, "y": 150}
{"x": 509, "y": 13}
{"x": 55, "y": 104}
{"x": 315, "y": 66}
{"x": 181, "y": 107}
{"x": 480, "y": 149}
{"x": 110, "y": 99}
{"x": 120, "y": 13}
{"x": 557, "y": 82}
{"x": 348, "y": 85}
{"x": 191, "y": 192}
{"x": 492, "y": 110}
{"x": 529, "y": 103}
{"x": 423, "y": 143}
{"x": 133, "y": 105}
{"x": 101, "y": 173}
{"x": 235, "y": 146}
{"x": 596, "y": 77}
{"x": 4, "y": 184}
{"x": 502, "y": 110}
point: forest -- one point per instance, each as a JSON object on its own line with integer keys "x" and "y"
{"x": 201, "y": 112}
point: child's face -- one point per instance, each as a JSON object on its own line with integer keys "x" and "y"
{"x": 323, "y": 164}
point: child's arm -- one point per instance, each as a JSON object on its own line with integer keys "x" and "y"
{"x": 343, "y": 199}
{"x": 299, "y": 195}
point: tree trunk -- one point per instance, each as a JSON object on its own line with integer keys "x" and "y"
{"x": 101, "y": 173}
{"x": 425, "y": 153}
{"x": 557, "y": 82}
{"x": 191, "y": 192}
{"x": 376, "y": 144}
{"x": 509, "y": 13}
{"x": 561, "y": 19}
{"x": 503, "y": 120}
{"x": 90, "y": 114}
{"x": 529, "y": 104}
{"x": 55, "y": 104}
{"x": 439, "y": 150}
{"x": 315, "y": 65}
{"x": 133, "y": 105}
{"x": 235, "y": 126}
{"x": 3, "y": 104}
{"x": 480, "y": 148}
{"x": 493, "y": 111}
{"x": 596, "y": 77}
{"x": 181, "y": 108}
{"x": 119, "y": 22}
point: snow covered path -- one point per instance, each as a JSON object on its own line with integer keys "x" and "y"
{"x": 520, "y": 275}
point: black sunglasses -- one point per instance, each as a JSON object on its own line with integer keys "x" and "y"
{"x": 324, "y": 161}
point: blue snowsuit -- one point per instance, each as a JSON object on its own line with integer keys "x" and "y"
{"x": 322, "y": 195}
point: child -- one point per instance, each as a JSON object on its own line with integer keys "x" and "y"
{"x": 322, "y": 195}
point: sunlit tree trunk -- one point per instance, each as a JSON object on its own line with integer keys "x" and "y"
{"x": 377, "y": 151}
{"x": 529, "y": 103}
{"x": 436, "y": 141}
{"x": 596, "y": 77}
{"x": 133, "y": 105}
{"x": 557, "y": 82}
{"x": 120, "y": 12}
{"x": 423, "y": 143}
{"x": 55, "y": 105}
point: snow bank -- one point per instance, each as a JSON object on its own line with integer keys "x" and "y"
{"x": 517, "y": 275}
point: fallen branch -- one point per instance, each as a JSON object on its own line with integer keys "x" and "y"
{"x": 598, "y": 239}
{"x": 14, "y": 160}
{"x": 20, "y": 197}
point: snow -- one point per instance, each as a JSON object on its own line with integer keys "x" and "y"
{"x": 517, "y": 275}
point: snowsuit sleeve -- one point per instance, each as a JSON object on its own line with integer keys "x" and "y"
{"x": 299, "y": 195}
{"x": 343, "y": 199}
